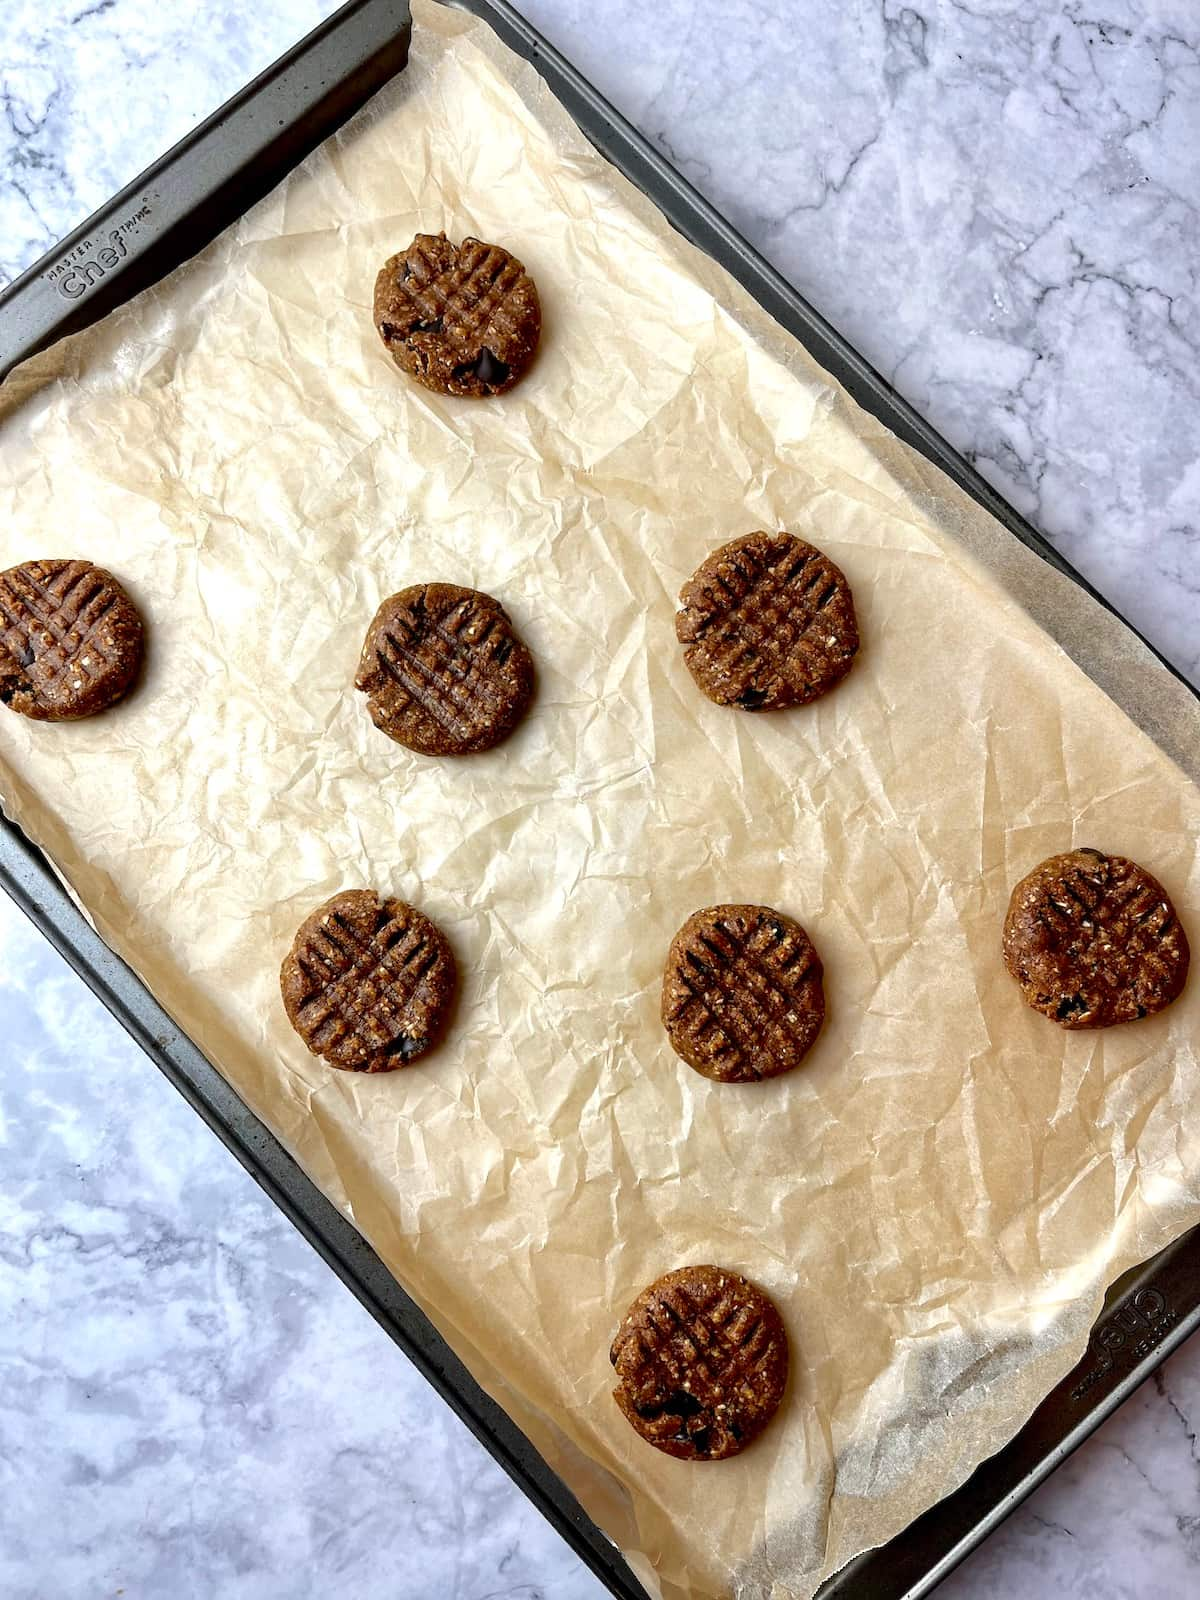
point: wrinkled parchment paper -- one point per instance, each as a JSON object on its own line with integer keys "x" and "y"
{"x": 938, "y": 1199}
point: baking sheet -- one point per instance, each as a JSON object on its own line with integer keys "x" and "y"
{"x": 938, "y": 1200}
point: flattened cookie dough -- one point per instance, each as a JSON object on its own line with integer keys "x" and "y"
{"x": 443, "y": 670}
{"x": 71, "y": 640}
{"x": 702, "y": 1363}
{"x": 460, "y": 319}
{"x": 368, "y": 983}
{"x": 1094, "y": 940}
{"x": 742, "y": 993}
{"x": 767, "y": 621}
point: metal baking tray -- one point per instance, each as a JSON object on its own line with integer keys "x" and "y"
{"x": 176, "y": 207}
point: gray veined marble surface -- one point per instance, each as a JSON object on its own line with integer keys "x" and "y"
{"x": 998, "y": 201}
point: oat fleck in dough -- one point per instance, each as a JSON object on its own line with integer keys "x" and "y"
{"x": 460, "y": 319}
{"x": 742, "y": 993}
{"x": 702, "y": 1363}
{"x": 767, "y": 621}
{"x": 368, "y": 983}
{"x": 443, "y": 670}
{"x": 71, "y": 640}
{"x": 1094, "y": 940}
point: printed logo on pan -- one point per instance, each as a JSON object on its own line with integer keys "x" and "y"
{"x": 1129, "y": 1334}
{"x": 89, "y": 262}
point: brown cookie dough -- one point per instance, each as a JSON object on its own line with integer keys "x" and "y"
{"x": 71, "y": 640}
{"x": 742, "y": 996}
{"x": 1094, "y": 940}
{"x": 460, "y": 319}
{"x": 767, "y": 621}
{"x": 368, "y": 983}
{"x": 702, "y": 1359}
{"x": 443, "y": 671}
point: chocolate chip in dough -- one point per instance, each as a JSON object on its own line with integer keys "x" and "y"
{"x": 368, "y": 983}
{"x": 742, "y": 997}
{"x": 444, "y": 671}
{"x": 702, "y": 1362}
{"x": 1094, "y": 940}
{"x": 460, "y": 319}
{"x": 71, "y": 640}
{"x": 767, "y": 621}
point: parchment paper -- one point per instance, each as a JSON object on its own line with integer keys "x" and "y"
{"x": 937, "y": 1200}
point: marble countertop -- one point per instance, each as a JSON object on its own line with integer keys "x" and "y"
{"x": 999, "y": 203}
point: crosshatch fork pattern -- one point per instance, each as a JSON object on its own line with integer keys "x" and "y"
{"x": 461, "y": 319}
{"x": 1127, "y": 918}
{"x": 367, "y": 982}
{"x": 70, "y": 639}
{"x": 444, "y": 672}
{"x": 767, "y": 621}
{"x": 743, "y": 996}
{"x": 1094, "y": 940}
{"x": 443, "y": 666}
{"x": 51, "y": 612}
{"x": 702, "y": 1358}
{"x": 714, "y": 1342}
{"x": 472, "y": 295}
